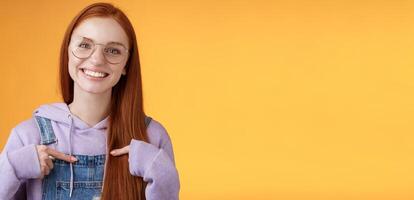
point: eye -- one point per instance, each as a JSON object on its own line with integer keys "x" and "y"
{"x": 84, "y": 45}
{"x": 113, "y": 51}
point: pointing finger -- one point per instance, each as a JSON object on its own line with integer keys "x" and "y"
{"x": 61, "y": 156}
{"x": 122, "y": 151}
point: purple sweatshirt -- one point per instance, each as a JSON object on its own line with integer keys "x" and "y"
{"x": 20, "y": 167}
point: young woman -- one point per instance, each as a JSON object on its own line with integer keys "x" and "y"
{"x": 98, "y": 144}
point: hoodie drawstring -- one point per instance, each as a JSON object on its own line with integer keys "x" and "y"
{"x": 70, "y": 153}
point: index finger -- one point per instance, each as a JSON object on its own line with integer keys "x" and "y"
{"x": 118, "y": 152}
{"x": 61, "y": 156}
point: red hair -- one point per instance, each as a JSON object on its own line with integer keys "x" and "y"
{"x": 127, "y": 115}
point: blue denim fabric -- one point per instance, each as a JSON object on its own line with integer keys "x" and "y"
{"x": 88, "y": 179}
{"x": 88, "y": 171}
{"x": 47, "y": 136}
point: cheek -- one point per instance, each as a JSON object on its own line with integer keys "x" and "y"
{"x": 124, "y": 69}
{"x": 119, "y": 69}
{"x": 73, "y": 64}
{"x": 71, "y": 59}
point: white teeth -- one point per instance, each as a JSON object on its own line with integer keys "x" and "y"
{"x": 94, "y": 74}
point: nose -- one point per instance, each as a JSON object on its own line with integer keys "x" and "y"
{"x": 97, "y": 58}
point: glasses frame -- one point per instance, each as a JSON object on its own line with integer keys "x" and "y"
{"x": 73, "y": 49}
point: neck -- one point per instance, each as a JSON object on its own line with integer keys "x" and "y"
{"x": 89, "y": 107}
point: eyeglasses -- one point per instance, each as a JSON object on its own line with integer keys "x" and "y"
{"x": 113, "y": 52}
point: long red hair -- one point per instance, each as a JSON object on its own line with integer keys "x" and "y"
{"x": 127, "y": 115}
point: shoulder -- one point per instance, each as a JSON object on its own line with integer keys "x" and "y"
{"x": 157, "y": 134}
{"x": 23, "y": 134}
{"x": 27, "y": 131}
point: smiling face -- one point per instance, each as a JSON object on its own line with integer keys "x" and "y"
{"x": 97, "y": 73}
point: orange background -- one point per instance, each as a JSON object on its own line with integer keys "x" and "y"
{"x": 262, "y": 99}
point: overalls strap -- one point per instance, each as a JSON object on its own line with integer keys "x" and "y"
{"x": 147, "y": 121}
{"x": 47, "y": 136}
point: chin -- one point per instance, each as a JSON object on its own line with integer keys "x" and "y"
{"x": 95, "y": 90}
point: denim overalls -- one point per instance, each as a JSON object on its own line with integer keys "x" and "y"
{"x": 87, "y": 172}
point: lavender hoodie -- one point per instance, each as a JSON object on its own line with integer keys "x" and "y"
{"x": 20, "y": 167}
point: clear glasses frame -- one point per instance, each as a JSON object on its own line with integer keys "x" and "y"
{"x": 113, "y": 52}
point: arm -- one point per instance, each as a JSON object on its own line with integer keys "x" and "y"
{"x": 17, "y": 164}
{"x": 157, "y": 167}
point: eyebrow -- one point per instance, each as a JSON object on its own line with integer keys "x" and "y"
{"x": 106, "y": 43}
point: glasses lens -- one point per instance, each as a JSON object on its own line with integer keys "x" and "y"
{"x": 83, "y": 48}
{"x": 115, "y": 53}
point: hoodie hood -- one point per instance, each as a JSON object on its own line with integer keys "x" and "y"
{"x": 60, "y": 113}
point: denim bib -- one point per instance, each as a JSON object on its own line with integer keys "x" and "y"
{"x": 88, "y": 171}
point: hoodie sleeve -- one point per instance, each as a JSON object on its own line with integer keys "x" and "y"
{"x": 156, "y": 165}
{"x": 18, "y": 162}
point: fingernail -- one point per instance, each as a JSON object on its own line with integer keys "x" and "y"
{"x": 74, "y": 158}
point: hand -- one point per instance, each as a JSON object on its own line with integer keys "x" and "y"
{"x": 46, "y": 155}
{"x": 120, "y": 152}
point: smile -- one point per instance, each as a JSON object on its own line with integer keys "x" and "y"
{"x": 94, "y": 74}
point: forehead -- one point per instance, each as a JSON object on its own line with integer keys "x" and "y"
{"x": 101, "y": 30}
